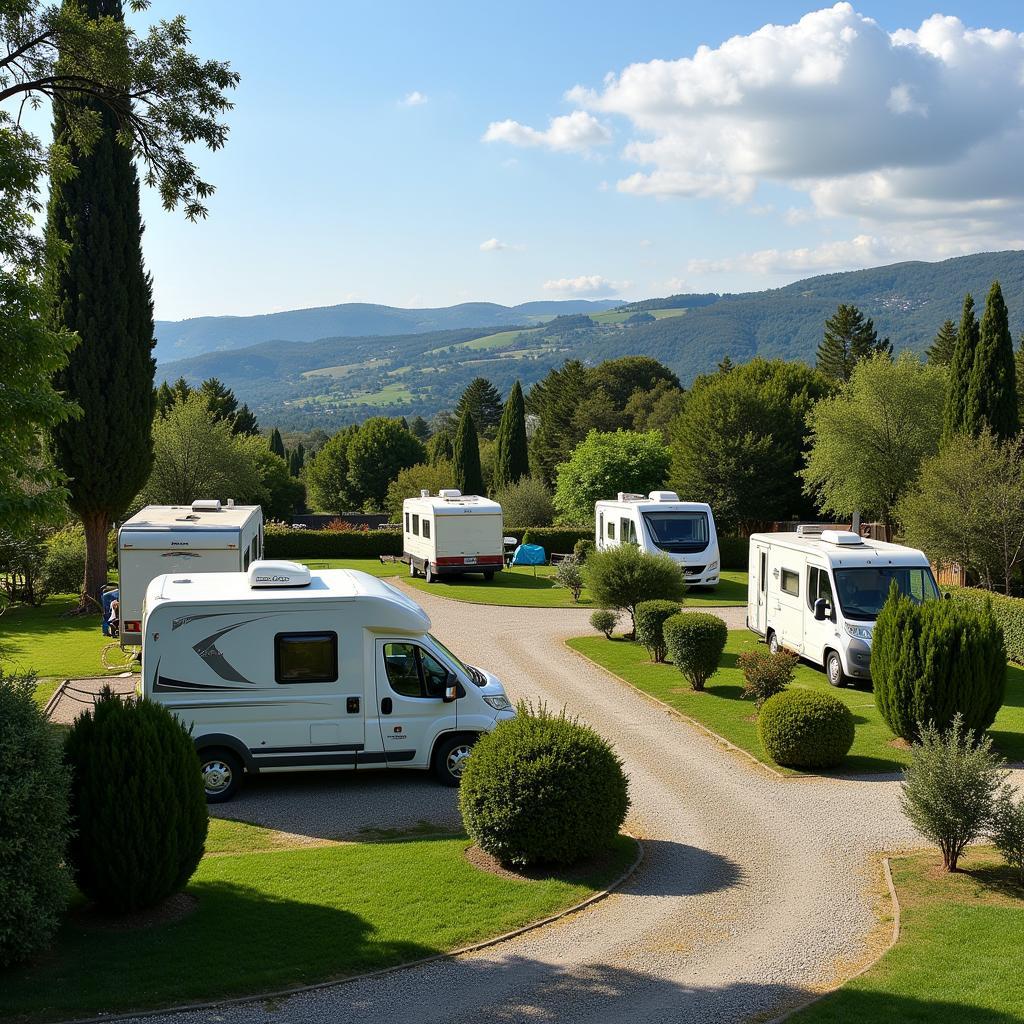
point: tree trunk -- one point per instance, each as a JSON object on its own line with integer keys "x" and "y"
{"x": 97, "y": 526}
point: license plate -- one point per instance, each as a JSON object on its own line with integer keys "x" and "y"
{"x": 471, "y": 560}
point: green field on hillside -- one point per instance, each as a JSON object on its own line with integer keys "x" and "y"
{"x": 617, "y": 317}
{"x": 344, "y": 370}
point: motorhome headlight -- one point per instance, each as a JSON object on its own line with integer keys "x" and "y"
{"x": 858, "y": 632}
{"x": 712, "y": 567}
{"x": 501, "y": 703}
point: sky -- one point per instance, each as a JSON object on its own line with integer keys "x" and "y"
{"x": 427, "y": 154}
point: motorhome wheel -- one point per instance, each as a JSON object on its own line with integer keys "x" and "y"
{"x": 834, "y": 669}
{"x": 489, "y": 576}
{"x": 450, "y": 759}
{"x": 222, "y": 775}
{"x": 428, "y": 572}
{"x": 412, "y": 568}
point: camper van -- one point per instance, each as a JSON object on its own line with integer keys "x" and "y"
{"x": 452, "y": 534}
{"x": 279, "y": 669}
{"x": 205, "y": 536}
{"x": 661, "y": 524}
{"x": 817, "y": 592}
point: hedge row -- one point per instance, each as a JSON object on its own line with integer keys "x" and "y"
{"x": 1009, "y": 613}
{"x": 553, "y": 539}
{"x": 282, "y": 542}
{"x": 735, "y": 552}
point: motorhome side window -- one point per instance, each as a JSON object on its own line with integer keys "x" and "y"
{"x": 415, "y": 525}
{"x": 818, "y": 586}
{"x": 245, "y": 560}
{"x": 790, "y": 582}
{"x": 252, "y": 549}
{"x": 412, "y": 672}
{"x": 426, "y": 528}
{"x": 306, "y": 657}
{"x": 627, "y": 531}
{"x": 406, "y": 522}
{"x": 611, "y": 529}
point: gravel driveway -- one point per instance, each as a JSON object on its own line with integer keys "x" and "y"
{"x": 755, "y": 890}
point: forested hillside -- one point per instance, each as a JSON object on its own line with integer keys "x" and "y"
{"x": 340, "y": 379}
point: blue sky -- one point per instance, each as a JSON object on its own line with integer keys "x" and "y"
{"x": 828, "y": 145}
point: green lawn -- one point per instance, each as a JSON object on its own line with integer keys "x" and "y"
{"x": 958, "y": 958}
{"x": 271, "y": 916}
{"x": 519, "y": 588}
{"x": 723, "y": 710}
{"x": 51, "y": 642}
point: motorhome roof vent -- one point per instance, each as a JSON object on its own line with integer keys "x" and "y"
{"x": 206, "y": 505}
{"x": 843, "y": 538}
{"x": 810, "y": 530}
{"x": 265, "y": 573}
{"x": 664, "y": 496}
{"x": 425, "y": 492}
{"x": 449, "y": 493}
{"x": 627, "y": 496}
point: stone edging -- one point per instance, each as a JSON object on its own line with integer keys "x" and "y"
{"x": 54, "y": 699}
{"x": 383, "y": 972}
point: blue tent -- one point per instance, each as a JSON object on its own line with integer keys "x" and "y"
{"x": 529, "y": 554}
{"x": 107, "y": 598}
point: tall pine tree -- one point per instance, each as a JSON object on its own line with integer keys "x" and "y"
{"x": 100, "y": 289}
{"x": 483, "y": 400}
{"x": 512, "y": 461}
{"x": 940, "y": 351}
{"x": 992, "y": 391}
{"x": 466, "y": 459}
{"x": 848, "y": 338}
{"x": 960, "y": 368}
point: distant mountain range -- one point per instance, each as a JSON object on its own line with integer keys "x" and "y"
{"x": 181, "y": 339}
{"x": 333, "y": 380}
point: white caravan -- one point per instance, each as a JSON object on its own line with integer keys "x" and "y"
{"x": 452, "y": 534}
{"x": 661, "y": 524}
{"x": 279, "y": 669}
{"x": 818, "y": 592}
{"x": 205, "y": 536}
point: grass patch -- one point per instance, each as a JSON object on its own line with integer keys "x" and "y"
{"x": 722, "y": 709}
{"x": 519, "y": 588}
{"x": 958, "y": 956}
{"x": 50, "y": 642}
{"x": 395, "y": 393}
{"x": 272, "y": 916}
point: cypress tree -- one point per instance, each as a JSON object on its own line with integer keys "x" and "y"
{"x": 512, "y": 460}
{"x": 276, "y": 443}
{"x": 440, "y": 448}
{"x": 466, "y": 457}
{"x": 100, "y": 289}
{"x": 940, "y": 351}
{"x": 992, "y": 391}
{"x": 848, "y": 338}
{"x": 960, "y": 368}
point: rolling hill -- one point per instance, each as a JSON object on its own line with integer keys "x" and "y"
{"x": 334, "y": 380}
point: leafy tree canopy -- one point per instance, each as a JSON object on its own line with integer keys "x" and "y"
{"x": 379, "y": 449}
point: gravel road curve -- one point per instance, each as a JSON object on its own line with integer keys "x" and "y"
{"x": 754, "y": 892}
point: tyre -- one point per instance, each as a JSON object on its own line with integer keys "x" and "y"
{"x": 222, "y": 774}
{"x": 834, "y": 669}
{"x": 412, "y": 569}
{"x": 450, "y": 758}
{"x": 489, "y": 575}
{"x": 773, "y": 642}
{"x": 428, "y": 572}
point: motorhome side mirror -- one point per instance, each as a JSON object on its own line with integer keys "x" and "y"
{"x": 819, "y": 609}
{"x": 450, "y": 693}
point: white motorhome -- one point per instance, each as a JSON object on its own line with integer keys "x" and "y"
{"x": 452, "y": 534}
{"x": 205, "y": 536}
{"x": 661, "y": 524}
{"x": 279, "y": 669}
{"x": 817, "y": 592}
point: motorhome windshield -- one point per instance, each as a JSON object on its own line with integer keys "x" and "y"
{"x": 862, "y": 592}
{"x": 474, "y": 673}
{"x": 679, "y": 532}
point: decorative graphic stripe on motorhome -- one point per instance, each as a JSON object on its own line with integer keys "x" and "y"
{"x": 310, "y": 760}
{"x": 184, "y": 620}
{"x": 165, "y": 685}
{"x": 207, "y": 650}
{"x": 306, "y": 749}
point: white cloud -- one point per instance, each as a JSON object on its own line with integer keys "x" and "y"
{"x": 922, "y": 123}
{"x": 496, "y": 245}
{"x": 578, "y": 131}
{"x": 585, "y": 284}
{"x": 414, "y": 99}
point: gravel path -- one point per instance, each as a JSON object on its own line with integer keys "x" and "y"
{"x": 755, "y": 890}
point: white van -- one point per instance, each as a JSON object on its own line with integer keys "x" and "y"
{"x": 205, "y": 536}
{"x": 661, "y": 524}
{"x": 279, "y": 669}
{"x": 452, "y": 534}
{"x": 817, "y": 592}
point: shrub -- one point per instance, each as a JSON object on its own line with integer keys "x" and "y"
{"x": 1007, "y": 829}
{"x": 138, "y": 803}
{"x": 695, "y": 641}
{"x": 582, "y": 549}
{"x": 734, "y": 553}
{"x": 932, "y": 661}
{"x": 766, "y": 674}
{"x": 805, "y": 729}
{"x": 526, "y": 503}
{"x": 950, "y": 787}
{"x": 558, "y": 539}
{"x": 34, "y": 886}
{"x": 623, "y": 576}
{"x": 63, "y": 569}
{"x": 650, "y": 618}
{"x": 21, "y": 567}
{"x": 604, "y": 620}
{"x": 1008, "y": 611}
{"x": 283, "y": 542}
{"x": 542, "y": 788}
{"x": 570, "y": 575}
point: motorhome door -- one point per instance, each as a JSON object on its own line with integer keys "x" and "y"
{"x": 759, "y": 583}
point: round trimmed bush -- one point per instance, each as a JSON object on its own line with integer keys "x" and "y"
{"x": 604, "y": 620}
{"x": 34, "y": 886}
{"x": 695, "y": 641}
{"x": 805, "y": 729}
{"x": 582, "y": 549}
{"x": 650, "y": 620}
{"x": 543, "y": 789}
{"x": 138, "y": 804}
